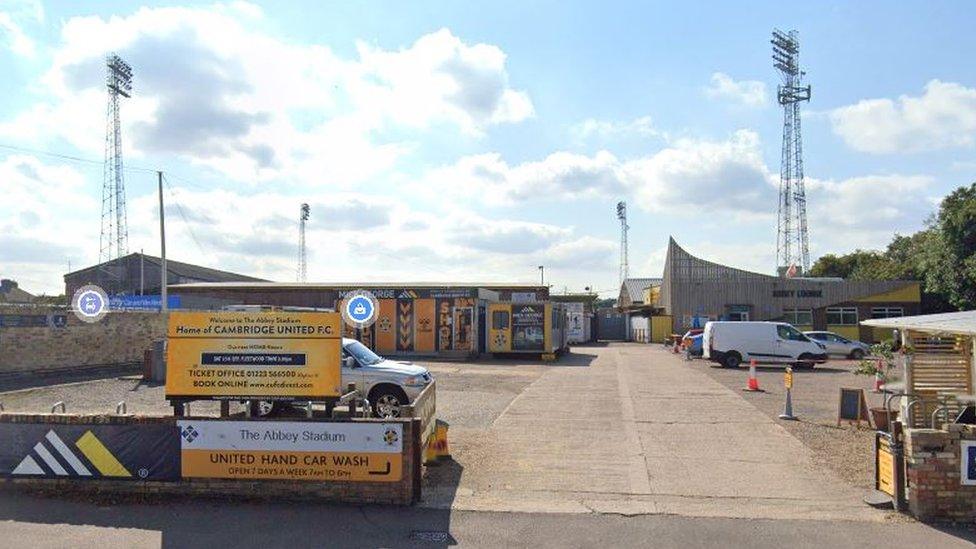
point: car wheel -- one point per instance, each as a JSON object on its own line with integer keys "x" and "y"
{"x": 263, "y": 408}
{"x": 857, "y": 354}
{"x": 805, "y": 362}
{"x": 732, "y": 360}
{"x": 388, "y": 402}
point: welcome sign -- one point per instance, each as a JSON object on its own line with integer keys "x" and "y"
{"x": 244, "y": 355}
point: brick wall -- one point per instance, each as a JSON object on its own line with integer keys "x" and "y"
{"x": 118, "y": 338}
{"x": 933, "y": 472}
{"x": 404, "y": 492}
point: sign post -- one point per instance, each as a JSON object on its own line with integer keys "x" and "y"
{"x": 285, "y": 356}
{"x": 788, "y": 383}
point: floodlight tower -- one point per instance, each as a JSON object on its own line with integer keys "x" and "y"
{"x": 302, "y": 258}
{"x": 792, "y": 242}
{"x": 622, "y": 216}
{"x": 114, "y": 239}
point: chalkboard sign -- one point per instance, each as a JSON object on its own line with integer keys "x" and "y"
{"x": 853, "y": 406}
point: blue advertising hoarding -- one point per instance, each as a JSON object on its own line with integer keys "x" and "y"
{"x": 142, "y": 302}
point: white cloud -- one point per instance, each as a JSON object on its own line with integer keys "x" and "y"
{"x": 46, "y": 220}
{"x": 718, "y": 176}
{"x": 944, "y": 116}
{"x": 211, "y": 87}
{"x": 727, "y": 175}
{"x": 866, "y": 211}
{"x": 15, "y": 38}
{"x": 751, "y": 93}
{"x": 605, "y": 129}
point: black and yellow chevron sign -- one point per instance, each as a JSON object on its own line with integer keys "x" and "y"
{"x": 134, "y": 451}
{"x": 405, "y": 325}
{"x": 97, "y": 455}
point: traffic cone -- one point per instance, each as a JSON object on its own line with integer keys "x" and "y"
{"x": 753, "y": 385}
{"x": 878, "y": 382}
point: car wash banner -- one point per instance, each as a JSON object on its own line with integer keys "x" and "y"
{"x": 243, "y": 355}
{"x": 528, "y": 327}
{"x": 118, "y": 452}
{"x": 292, "y": 450}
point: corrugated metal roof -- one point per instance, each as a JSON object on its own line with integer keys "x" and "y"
{"x": 962, "y": 323}
{"x": 635, "y": 287}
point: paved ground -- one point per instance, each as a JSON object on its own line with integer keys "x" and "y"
{"x": 27, "y": 521}
{"x": 815, "y": 400}
{"x": 620, "y": 444}
{"x": 632, "y": 429}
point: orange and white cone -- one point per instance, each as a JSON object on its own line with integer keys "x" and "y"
{"x": 753, "y": 385}
{"x": 878, "y": 382}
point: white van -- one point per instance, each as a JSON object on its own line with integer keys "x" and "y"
{"x": 732, "y": 343}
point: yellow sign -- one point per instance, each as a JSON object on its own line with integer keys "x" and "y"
{"x": 886, "y": 469}
{"x": 788, "y": 378}
{"x": 292, "y": 450}
{"x": 311, "y": 466}
{"x": 241, "y": 355}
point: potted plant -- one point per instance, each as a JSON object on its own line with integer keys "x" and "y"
{"x": 880, "y": 363}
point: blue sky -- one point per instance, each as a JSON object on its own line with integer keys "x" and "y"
{"x": 451, "y": 141}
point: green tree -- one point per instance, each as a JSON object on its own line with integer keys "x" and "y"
{"x": 950, "y": 270}
{"x": 942, "y": 257}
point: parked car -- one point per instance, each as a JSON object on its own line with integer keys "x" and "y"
{"x": 388, "y": 384}
{"x": 838, "y": 345}
{"x": 732, "y": 343}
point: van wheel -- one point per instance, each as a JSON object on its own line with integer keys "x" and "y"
{"x": 732, "y": 360}
{"x": 857, "y": 354}
{"x": 805, "y": 362}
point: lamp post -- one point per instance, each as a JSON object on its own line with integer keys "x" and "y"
{"x": 542, "y": 275}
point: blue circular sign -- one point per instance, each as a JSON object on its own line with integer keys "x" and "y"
{"x": 90, "y": 303}
{"x": 360, "y": 309}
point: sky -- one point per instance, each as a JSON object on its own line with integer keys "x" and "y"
{"x": 456, "y": 141}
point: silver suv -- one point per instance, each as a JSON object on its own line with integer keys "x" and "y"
{"x": 387, "y": 384}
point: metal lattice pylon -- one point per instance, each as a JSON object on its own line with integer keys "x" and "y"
{"x": 114, "y": 239}
{"x": 302, "y": 257}
{"x": 622, "y": 216}
{"x": 792, "y": 239}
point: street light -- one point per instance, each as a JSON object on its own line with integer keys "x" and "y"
{"x": 542, "y": 275}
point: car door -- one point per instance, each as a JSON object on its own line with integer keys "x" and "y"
{"x": 836, "y": 345}
{"x": 353, "y": 374}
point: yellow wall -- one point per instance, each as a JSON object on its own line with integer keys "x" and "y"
{"x": 850, "y": 332}
{"x": 499, "y": 341}
{"x": 660, "y": 328}
{"x": 652, "y": 295}
{"x": 910, "y": 293}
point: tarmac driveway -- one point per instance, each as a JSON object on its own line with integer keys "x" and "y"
{"x": 629, "y": 429}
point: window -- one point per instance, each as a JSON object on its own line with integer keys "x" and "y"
{"x": 798, "y": 317}
{"x": 842, "y": 316}
{"x": 499, "y": 320}
{"x": 887, "y": 312}
{"x": 788, "y": 332}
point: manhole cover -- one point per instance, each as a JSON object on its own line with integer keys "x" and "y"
{"x": 430, "y": 536}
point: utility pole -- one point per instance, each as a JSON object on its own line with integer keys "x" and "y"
{"x": 163, "y": 304}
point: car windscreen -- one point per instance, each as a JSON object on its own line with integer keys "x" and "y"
{"x": 362, "y": 353}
